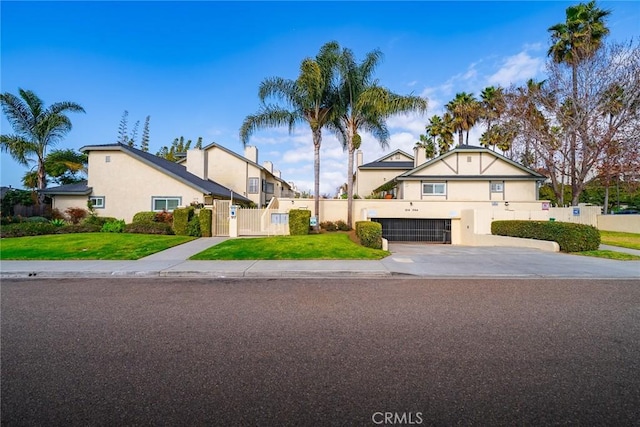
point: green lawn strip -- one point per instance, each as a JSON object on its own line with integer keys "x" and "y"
{"x": 621, "y": 256}
{"x": 87, "y": 246}
{"x": 313, "y": 246}
{"x": 624, "y": 240}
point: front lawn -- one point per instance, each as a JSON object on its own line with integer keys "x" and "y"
{"x": 625, "y": 240}
{"x": 86, "y": 246}
{"x": 312, "y": 246}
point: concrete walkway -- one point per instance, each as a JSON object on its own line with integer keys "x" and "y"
{"x": 409, "y": 260}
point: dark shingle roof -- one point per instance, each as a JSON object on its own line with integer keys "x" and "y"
{"x": 76, "y": 189}
{"x": 388, "y": 165}
{"x": 173, "y": 169}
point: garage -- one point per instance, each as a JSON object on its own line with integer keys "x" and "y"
{"x": 415, "y": 230}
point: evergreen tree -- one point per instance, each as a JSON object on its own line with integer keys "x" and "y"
{"x": 144, "y": 141}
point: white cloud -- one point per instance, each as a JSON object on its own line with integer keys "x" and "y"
{"x": 517, "y": 68}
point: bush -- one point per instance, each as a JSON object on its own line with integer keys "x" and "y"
{"x": 98, "y": 220}
{"x": 148, "y": 227}
{"x": 76, "y": 215}
{"x": 343, "y": 226}
{"x": 58, "y": 222}
{"x": 116, "y": 226}
{"x": 145, "y": 216}
{"x": 27, "y": 229}
{"x": 36, "y": 219}
{"x": 206, "y": 219}
{"x": 299, "y": 221}
{"x": 328, "y": 226}
{"x": 570, "y": 237}
{"x": 193, "y": 227}
{"x": 164, "y": 216}
{"x": 181, "y": 218}
{"x": 77, "y": 228}
{"x": 369, "y": 233}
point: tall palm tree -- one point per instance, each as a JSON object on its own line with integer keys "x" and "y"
{"x": 311, "y": 99}
{"x": 574, "y": 41}
{"x": 364, "y": 106}
{"x": 465, "y": 110}
{"x": 446, "y": 132}
{"x": 428, "y": 145}
{"x": 36, "y": 128}
{"x": 493, "y": 105}
{"x": 435, "y": 126}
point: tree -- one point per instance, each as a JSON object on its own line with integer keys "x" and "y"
{"x": 144, "y": 141}
{"x": 493, "y": 106}
{"x": 123, "y": 134}
{"x": 37, "y": 128}
{"x": 176, "y": 151}
{"x": 310, "y": 99}
{"x": 428, "y": 145}
{"x": 64, "y": 166}
{"x": 573, "y": 42}
{"x": 465, "y": 110}
{"x": 198, "y": 143}
{"x": 134, "y": 134}
{"x": 364, "y": 106}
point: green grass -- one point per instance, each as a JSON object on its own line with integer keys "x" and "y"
{"x": 621, "y": 256}
{"x": 312, "y": 246}
{"x": 625, "y": 240}
{"x": 104, "y": 246}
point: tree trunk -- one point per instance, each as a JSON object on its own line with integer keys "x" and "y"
{"x": 460, "y": 138}
{"x": 317, "y": 140}
{"x": 575, "y": 194}
{"x": 350, "y": 183}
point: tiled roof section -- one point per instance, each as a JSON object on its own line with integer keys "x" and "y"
{"x": 388, "y": 165}
{"x": 176, "y": 170}
{"x": 78, "y": 189}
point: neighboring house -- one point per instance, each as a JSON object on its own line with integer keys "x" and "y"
{"x": 241, "y": 173}
{"x": 466, "y": 173}
{"x": 123, "y": 181}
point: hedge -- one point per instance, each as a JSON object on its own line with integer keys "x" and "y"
{"x": 193, "y": 227}
{"x": 148, "y": 227}
{"x": 145, "y": 216}
{"x": 206, "y": 219}
{"x": 369, "y": 233}
{"x": 299, "y": 220}
{"x": 570, "y": 237}
{"x": 27, "y": 229}
{"x": 98, "y": 220}
{"x": 181, "y": 218}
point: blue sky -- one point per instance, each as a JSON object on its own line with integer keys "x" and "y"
{"x": 195, "y": 67}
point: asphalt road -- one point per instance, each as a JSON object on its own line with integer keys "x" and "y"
{"x": 320, "y": 352}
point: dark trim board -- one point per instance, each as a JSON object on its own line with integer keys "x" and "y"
{"x": 416, "y": 230}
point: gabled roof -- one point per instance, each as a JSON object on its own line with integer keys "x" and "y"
{"x": 233, "y": 153}
{"x": 76, "y": 189}
{"x": 383, "y": 163}
{"x": 172, "y": 169}
{"x": 412, "y": 174}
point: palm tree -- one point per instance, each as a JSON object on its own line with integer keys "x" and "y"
{"x": 428, "y": 145}
{"x": 364, "y": 106}
{"x": 37, "y": 128}
{"x": 493, "y": 106}
{"x": 435, "y": 126}
{"x": 445, "y": 135}
{"x": 574, "y": 41}
{"x": 311, "y": 98}
{"x": 465, "y": 110}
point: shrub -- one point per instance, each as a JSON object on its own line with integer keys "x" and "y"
{"x": 370, "y": 234}
{"x": 98, "y": 220}
{"x": 343, "y": 226}
{"x": 148, "y": 227}
{"x": 77, "y": 228}
{"x": 570, "y": 237}
{"x": 299, "y": 221}
{"x": 164, "y": 216}
{"x": 145, "y": 216}
{"x": 56, "y": 214}
{"x": 328, "y": 226}
{"x": 193, "y": 227}
{"x": 36, "y": 219}
{"x": 206, "y": 219}
{"x": 181, "y": 218}
{"x": 76, "y": 215}
{"x": 58, "y": 222}
{"x": 116, "y": 226}
{"x": 27, "y": 229}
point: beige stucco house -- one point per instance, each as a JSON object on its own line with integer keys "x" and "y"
{"x": 123, "y": 181}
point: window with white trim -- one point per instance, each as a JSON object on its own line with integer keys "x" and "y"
{"x": 434, "y": 188}
{"x": 254, "y": 185}
{"x": 497, "y": 187}
{"x": 97, "y": 202}
{"x": 165, "y": 203}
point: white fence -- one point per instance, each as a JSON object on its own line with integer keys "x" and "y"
{"x": 270, "y": 221}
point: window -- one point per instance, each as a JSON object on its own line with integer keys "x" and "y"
{"x": 107, "y": 159}
{"x": 253, "y": 185}
{"x": 165, "y": 203}
{"x": 267, "y": 187}
{"x": 279, "y": 218}
{"x": 497, "y": 187}
{"x": 434, "y": 188}
{"x": 97, "y": 202}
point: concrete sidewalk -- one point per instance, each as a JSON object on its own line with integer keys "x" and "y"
{"x": 410, "y": 260}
